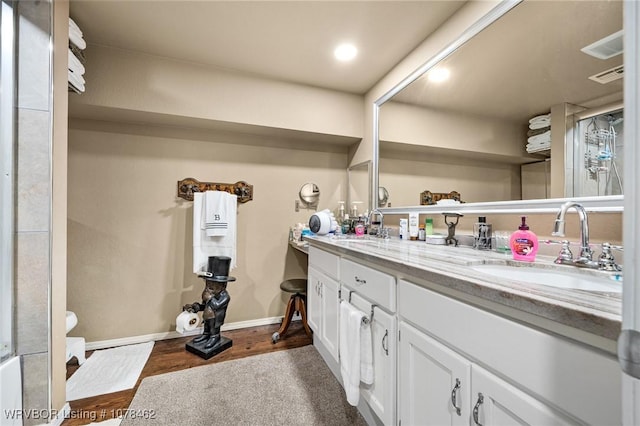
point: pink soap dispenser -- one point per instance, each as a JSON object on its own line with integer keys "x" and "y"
{"x": 524, "y": 243}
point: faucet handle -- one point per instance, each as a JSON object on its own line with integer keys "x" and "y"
{"x": 606, "y": 261}
{"x": 565, "y": 256}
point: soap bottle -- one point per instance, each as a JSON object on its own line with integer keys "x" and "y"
{"x": 428, "y": 226}
{"x": 524, "y": 243}
{"x": 482, "y": 234}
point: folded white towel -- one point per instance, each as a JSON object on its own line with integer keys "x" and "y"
{"x": 76, "y": 39}
{"x": 205, "y": 246}
{"x": 75, "y": 65}
{"x": 217, "y": 205}
{"x": 351, "y": 327}
{"x": 541, "y": 138}
{"x": 76, "y": 81}
{"x": 536, "y": 148}
{"x": 72, "y": 24}
{"x": 540, "y": 117}
{"x": 539, "y": 125}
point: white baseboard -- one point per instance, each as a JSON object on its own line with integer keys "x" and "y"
{"x": 101, "y": 344}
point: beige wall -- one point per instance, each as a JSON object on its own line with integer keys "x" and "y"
{"x": 476, "y": 181}
{"x": 413, "y": 125}
{"x": 130, "y": 239}
{"x": 124, "y": 82}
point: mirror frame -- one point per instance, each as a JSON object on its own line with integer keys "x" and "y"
{"x": 601, "y": 204}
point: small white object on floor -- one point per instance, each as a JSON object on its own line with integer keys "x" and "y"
{"x": 108, "y": 371}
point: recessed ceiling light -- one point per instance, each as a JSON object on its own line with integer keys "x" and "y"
{"x": 438, "y": 75}
{"x": 345, "y": 52}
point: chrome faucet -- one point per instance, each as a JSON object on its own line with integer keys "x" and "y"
{"x": 586, "y": 254}
{"x": 376, "y": 223}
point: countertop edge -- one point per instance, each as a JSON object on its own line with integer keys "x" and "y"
{"x": 601, "y": 324}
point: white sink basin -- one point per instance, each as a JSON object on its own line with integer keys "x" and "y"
{"x": 555, "y": 278}
{"x": 356, "y": 240}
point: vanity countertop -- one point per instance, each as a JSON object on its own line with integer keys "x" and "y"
{"x": 598, "y": 313}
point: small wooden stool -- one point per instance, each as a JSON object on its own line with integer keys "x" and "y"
{"x": 297, "y": 303}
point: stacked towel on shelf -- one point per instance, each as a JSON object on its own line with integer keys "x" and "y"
{"x": 76, "y": 67}
{"x": 539, "y": 134}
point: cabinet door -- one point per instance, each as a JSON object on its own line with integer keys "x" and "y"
{"x": 381, "y": 395}
{"x": 432, "y": 378}
{"x": 496, "y": 402}
{"x": 330, "y": 309}
{"x": 313, "y": 300}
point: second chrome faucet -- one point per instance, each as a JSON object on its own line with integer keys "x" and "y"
{"x": 585, "y": 259}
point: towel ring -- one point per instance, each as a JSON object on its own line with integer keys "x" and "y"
{"x": 365, "y": 320}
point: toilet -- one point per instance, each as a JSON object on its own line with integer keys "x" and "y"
{"x": 75, "y": 345}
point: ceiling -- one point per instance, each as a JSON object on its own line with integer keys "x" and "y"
{"x": 284, "y": 40}
{"x": 526, "y": 62}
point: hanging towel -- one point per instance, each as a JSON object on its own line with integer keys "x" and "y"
{"x": 351, "y": 346}
{"x": 366, "y": 355}
{"x": 205, "y": 246}
{"x": 217, "y": 205}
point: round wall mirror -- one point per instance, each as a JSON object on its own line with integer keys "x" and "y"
{"x": 383, "y": 196}
{"x": 309, "y": 195}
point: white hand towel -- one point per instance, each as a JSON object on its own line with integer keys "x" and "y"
{"x": 366, "y": 355}
{"x": 350, "y": 328}
{"x": 205, "y": 246}
{"x": 217, "y": 205}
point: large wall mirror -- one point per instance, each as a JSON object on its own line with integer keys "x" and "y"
{"x": 463, "y": 123}
{"x": 358, "y": 188}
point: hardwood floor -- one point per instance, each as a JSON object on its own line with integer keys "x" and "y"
{"x": 170, "y": 355}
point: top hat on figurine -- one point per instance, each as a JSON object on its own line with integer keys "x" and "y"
{"x": 218, "y": 269}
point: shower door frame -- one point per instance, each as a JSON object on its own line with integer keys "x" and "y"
{"x": 574, "y": 148}
{"x": 7, "y": 178}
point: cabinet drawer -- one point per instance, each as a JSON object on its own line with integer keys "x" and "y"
{"x": 374, "y": 285}
{"x": 325, "y": 262}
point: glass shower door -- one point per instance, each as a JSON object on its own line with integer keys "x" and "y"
{"x": 7, "y": 120}
{"x": 598, "y": 155}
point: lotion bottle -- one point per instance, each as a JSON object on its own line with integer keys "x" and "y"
{"x": 524, "y": 243}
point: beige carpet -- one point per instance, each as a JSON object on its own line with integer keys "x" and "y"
{"x": 287, "y": 387}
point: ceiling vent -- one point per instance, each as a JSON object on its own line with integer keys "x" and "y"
{"x": 606, "y": 48}
{"x": 609, "y": 75}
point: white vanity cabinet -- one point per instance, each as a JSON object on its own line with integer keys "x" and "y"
{"x": 508, "y": 373}
{"x": 373, "y": 292}
{"x": 323, "y": 298}
{"x": 434, "y": 381}
{"x": 439, "y": 386}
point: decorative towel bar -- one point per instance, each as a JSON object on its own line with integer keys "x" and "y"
{"x": 365, "y": 320}
{"x": 188, "y": 186}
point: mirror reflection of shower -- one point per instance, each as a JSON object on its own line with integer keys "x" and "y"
{"x": 600, "y": 151}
